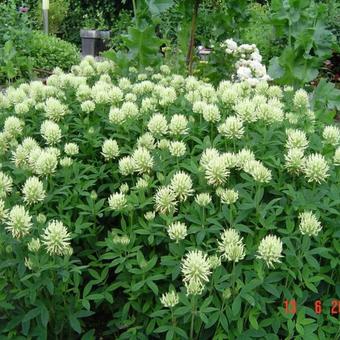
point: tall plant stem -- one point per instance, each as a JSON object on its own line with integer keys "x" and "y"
{"x": 193, "y": 312}
{"x": 134, "y": 10}
{"x": 192, "y": 37}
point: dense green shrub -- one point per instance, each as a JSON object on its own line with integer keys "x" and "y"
{"x": 260, "y": 32}
{"x": 134, "y": 207}
{"x": 15, "y": 41}
{"x": 48, "y": 52}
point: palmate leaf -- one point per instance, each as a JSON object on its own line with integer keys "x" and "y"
{"x": 143, "y": 44}
{"x": 156, "y": 7}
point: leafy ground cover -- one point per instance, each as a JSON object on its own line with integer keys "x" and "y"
{"x": 153, "y": 205}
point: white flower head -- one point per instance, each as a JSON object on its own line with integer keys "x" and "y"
{"x": 203, "y": 199}
{"x": 309, "y": 224}
{"x": 117, "y": 201}
{"x": 33, "y": 190}
{"x": 331, "y": 135}
{"x": 177, "y": 149}
{"x": 110, "y": 149}
{"x": 270, "y": 250}
{"x": 315, "y": 168}
{"x": 165, "y": 200}
{"x": 170, "y": 299}
{"x": 177, "y": 231}
{"x": 56, "y": 239}
{"x": 181, "y": 185}
{"x": 195, "y": 268}
{"x": 51, "y": 132}
{"x": 18, "y": 221}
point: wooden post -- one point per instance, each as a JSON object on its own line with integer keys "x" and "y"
{"x": 45, "y": 7}
{"x": 192, "y": 37}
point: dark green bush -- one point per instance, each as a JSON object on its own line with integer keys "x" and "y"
{"x": 49, "y": 52}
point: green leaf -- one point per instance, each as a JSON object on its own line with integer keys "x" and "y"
{"x": 74, "y": 323}
{"x": 31, "y": 314}
{"x": 236, "y": 306}
{"x": 156, "y": 7}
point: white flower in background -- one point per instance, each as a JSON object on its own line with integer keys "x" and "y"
{"x": 83, "y": 94}
{"x": 143, "y": 161}
{"x": 178, "y": 125}
{"x": 3, "y": 211}
{"x": 315, "y": 168}
{"x": 129, "y": 110}
{"x": 243, "y": 157}
{"x": 270, "y": 250}
{"x": 110, "y": 149}
{"x": 163, "y": 144}
{"x": 54, "y": 109}
{"x": 124, "y": 83}
{"x": 66, "y": 162}
{"x": 158, "y": 125}
{"x": 21, "y": 108}
{"x": 232, "y": 128}
{"x": 195, "y": 268}
{"x": 294, "y": 160}
{"x": 124, "y": 188}
{"x": 216, "y": 171}
{"x": 300, "y": 100}
{"x": 117, "y": 116}
{"x": 258, "y": 171}
{"x": 165, "y": 69}
{"x": 56, "y": 239}
{"x": 229, "y": 196}
{"x": 18, "y": 221}
{"x": 208, "y": 155}
{"x": 126, "y": 166}
{"x": 13, "y": 127}
{"x": 33, "y": 190}
{"x": 117, "y": 201}
{"x": 165, "y": 200}
{"x": 331, "y": 135}
{"x": 147, "y": 141}
{"x": 231, "y": 245}
{"x": 211, "y": 113}
{"x": 142, "y": 183}
{"x": 296, "y": 139}
{"x": 51, "y": 132}
{"x": 46, "y": 163}
{"x": 170, "y": 299}
{"x": 309, "y": 224}
{"x": 88, "y": 106}
{"x": 130, "y": 97}
{"x": 177, "y": 149}
{"x": 150, "y": 215}
{"x": 177, "y": 231}
{"x": 214, "y": 261}
{"x": 231, "y": 46}
{"x": 34, "y": 245}
{"x": 246, "y": 110}
{"x": 229, "y": 159}
{"x": 181, "y": 185}
{"x": 336, "y": 157}
{"x": 71, "y": 149}
{"x": 6, "y": 184}
{"x": 203, "y": 199}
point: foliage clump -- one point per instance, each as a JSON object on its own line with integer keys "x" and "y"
{"x": 164, "y": 205}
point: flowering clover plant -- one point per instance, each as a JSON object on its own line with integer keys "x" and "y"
{"x": 151, "y": 205}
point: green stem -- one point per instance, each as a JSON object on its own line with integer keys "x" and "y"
{"x": 193, "y": 312}
{"x": 134, "y": 10}
{"x": 233, "y": 279}
{"x": 192, "y": 37}
{"x": 231, "y": 222}
{"x": 203, "y": 218}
